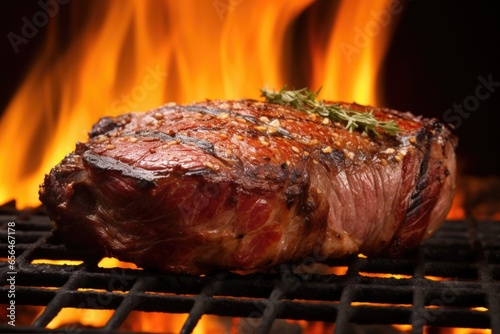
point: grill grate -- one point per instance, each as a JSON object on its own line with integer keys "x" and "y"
{"x": 453, "y": 280}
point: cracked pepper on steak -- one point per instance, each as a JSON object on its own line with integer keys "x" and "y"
{"x": 248, "y": 185}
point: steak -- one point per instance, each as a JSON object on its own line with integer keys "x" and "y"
{"x": 248, "y": 185}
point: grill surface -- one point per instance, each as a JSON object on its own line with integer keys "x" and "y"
{"x": 441, "y": 284}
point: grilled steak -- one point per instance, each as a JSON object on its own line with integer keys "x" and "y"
{"x": 247, "y": 185}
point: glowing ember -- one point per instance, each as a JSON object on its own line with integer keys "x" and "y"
{"x": 57, "y": 262}
{"x": 74, "y": 317}
{"x": 109, "y": 262}
{"x": 395, "y": 276}
{"x": 456, "y": 330}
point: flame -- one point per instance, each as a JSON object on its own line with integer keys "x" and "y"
{"x": 109, "y": 262}
{"x": 385, "y": 275}
{"x": 84, "y": 317}
{"x": 457, "y": 209}
{"x": 446, "y": 330}
{"x": 57, "y": 262}
{"x": 140, "y": 55}
{"x": 349, "y": 69}
{"x": 80, "y": 317}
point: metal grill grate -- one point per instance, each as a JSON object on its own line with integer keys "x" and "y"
{"x": 453, "y": 280}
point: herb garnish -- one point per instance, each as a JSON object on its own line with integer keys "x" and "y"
{"x": 305, "y": 100}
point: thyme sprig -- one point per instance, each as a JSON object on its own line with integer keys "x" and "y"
{"x": 305, "y": 100}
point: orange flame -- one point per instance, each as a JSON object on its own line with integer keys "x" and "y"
{"x": 140, "y": 55}
{"x": 457, "y": 210}
{"x": 349, "y": 69}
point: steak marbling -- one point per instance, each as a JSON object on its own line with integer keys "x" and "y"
{"x": 248, "y": 185}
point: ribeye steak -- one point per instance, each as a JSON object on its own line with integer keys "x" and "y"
{"x": 248, "y": 185}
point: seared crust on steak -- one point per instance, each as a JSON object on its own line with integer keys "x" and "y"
{"x": 247, "y": 185}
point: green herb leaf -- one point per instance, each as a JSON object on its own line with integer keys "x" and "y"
{"x": 305, "y": 100}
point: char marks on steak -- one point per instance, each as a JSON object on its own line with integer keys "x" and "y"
{"x": 247, "y": 185}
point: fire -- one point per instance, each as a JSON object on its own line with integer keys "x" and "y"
{"x": 84, "y": 317}
{"x": 109, "y": 262}
{"x": 457, "y": 210}
{"x": 349, "y": 69}
{"x": 140, "y": 55}
{"x": 137, "y": 55}
{"x": 80, "y": 317}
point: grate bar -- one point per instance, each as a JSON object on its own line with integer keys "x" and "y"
{"x": 456, "y": 318}
{"x": 346, "y": 298}
{"x": 127, "y": 305}
{"x": 417, "y": 320}
{"x": 22, "y": 260}
{"x": 485, "y": 276}
{"x": 344, "y": 311}
{"x": 202, "y": 303}
{"x": 273, "y": 307}
{"x": 61, "y": 298}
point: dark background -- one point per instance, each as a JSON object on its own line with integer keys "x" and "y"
{"x": 438, "y": 51}
{"x": 440, "y": 48}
